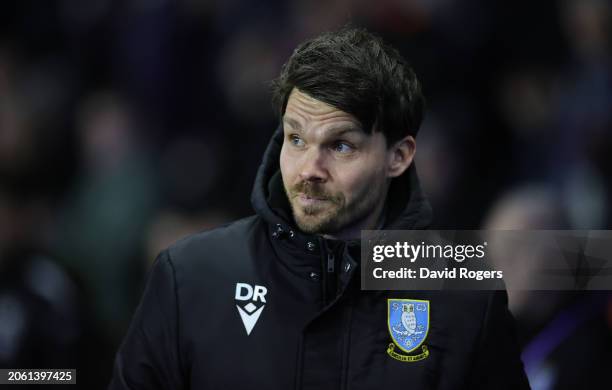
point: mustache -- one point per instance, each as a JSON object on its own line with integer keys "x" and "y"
{"x": 312, "y": 190}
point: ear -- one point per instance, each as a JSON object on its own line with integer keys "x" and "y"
{"x": 400, "y": 156}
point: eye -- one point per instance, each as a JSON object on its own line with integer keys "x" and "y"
{"x": 296, "y": 141}
{"x": 343, "y": 147}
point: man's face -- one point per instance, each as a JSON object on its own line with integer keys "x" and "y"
{"x": 335, "y": 175}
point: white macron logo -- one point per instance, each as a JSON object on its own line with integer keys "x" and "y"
{"x": 249, "y": 312}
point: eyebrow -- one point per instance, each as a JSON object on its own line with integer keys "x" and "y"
{"x": 335, "y": 131}
{"x": 293, "y": 123}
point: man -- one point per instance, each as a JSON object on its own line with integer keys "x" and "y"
{"x": 273, "y": 301}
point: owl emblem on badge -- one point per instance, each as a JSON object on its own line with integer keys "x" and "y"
{"x": 408, "y": 323}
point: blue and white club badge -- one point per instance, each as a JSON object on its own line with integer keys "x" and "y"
{"x": 408, "y": 322}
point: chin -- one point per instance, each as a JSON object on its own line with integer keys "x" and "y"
{"x": 313, "y": 225}
{"x": 310, "y": 225}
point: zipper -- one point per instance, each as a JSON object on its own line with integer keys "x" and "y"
{"x": 346, "y": 348}
{"x": 330, "y": 263}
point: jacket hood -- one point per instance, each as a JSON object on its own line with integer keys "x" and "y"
{"x": 406, "y": 206}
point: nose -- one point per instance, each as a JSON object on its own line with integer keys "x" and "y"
{"x": 313, "y": 166}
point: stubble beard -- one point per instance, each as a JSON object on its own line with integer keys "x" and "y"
{"x": 334, "y": 214}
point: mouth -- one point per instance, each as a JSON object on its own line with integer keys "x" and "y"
{"x": 307, "y": 200}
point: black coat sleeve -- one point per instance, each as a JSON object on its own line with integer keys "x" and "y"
{"x": 497, "y": 361}
{"x": 149, "y": 356}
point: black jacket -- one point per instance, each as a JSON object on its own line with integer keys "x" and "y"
{"x": 315, "y": 328}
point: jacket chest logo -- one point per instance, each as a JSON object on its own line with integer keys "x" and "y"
{"x": 408, "y": 323}
{"x": 250, "y": 302}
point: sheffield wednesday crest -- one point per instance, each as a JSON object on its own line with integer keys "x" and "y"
{"x": 408, "y": 322}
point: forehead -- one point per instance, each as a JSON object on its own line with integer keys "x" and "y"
{"x": 303, "y": 111}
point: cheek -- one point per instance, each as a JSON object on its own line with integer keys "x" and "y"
{"x": 353, "y": 183}
{"x": 357, "y": 180}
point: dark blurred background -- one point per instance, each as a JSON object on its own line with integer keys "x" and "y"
{"x": 125, "y": 125}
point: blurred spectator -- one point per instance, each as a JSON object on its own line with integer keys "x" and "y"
{"x": 107, "y": 209}
{"x": 40, "y": 318}
{"x": 583, "y": 114}
{"x": 566, "y": 335}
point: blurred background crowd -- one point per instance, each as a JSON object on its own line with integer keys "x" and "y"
{"x": 125, "y": 125}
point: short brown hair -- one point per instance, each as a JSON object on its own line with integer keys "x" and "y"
{"x": 358, "y": 73}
